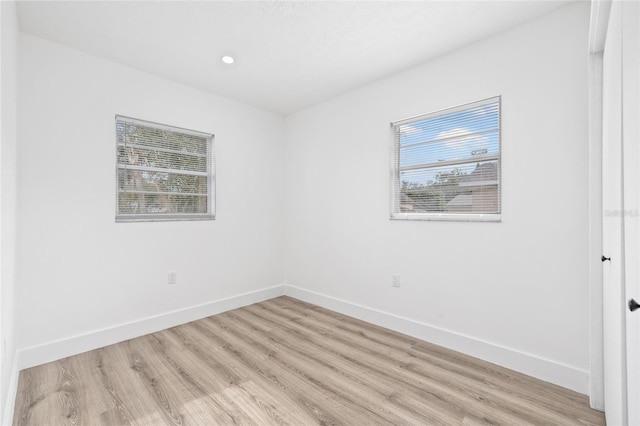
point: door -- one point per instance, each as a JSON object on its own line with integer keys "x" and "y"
{"x": 631, "y": 196}
{"x": 614, "y": 334}
{"x": 621, "y": 214}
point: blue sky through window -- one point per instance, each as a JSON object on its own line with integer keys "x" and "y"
{"x": 465, "y": 137}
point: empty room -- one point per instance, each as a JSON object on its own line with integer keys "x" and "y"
{"x": 320, "y": 212}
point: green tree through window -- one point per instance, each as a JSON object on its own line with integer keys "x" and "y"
{"x": 163, "y": 172}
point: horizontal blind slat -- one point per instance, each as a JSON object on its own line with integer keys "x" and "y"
{"x": 162, "y": 171}
{"x": 448, "y": 162}
{"x": 157, "y": 148}
{"x": 133, "y": 191}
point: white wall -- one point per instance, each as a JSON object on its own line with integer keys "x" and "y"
{"x": 79, "y": 271}
{"x": 520, "y": 285}
{"x": 8, "y": 90}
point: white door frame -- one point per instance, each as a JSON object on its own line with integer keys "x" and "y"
{"x": 600, "y": 13}
{"x": 631, "y": 167}
{"x": 600, "y": 10}
{"x": 614, "y": 225}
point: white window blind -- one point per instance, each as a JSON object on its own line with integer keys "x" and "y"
{"x": 163, "y": 172}
{"x": 446, "y": 165}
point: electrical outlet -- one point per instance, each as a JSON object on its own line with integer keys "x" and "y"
{"x": 395, "y": 280}
{"x": 173, "y": 278}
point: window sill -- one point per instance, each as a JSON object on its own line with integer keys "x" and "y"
{"x": 448, "y": 217}
{"x": 155, "y": 218}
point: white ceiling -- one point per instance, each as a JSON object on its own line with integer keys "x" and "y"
{"x": 289, "y": 54}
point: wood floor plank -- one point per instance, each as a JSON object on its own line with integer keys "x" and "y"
{"x": 259, "y": 385}
{"x": 314, "y": 394}
{"x": 201, "y": 382}
{"x": 287, "y": 362}
{"x": 115, "y": 367}
{"x": 250, "y": 364}
{"x": 343, "y": 380}
{"x": 348, "y": 376}
{"x": 446, "y": 399}
{"x": 97, "y": 402}
{"x": 432, "y": 357}
{"x": 174, "y": 387}
{"x": 31, "y": 397}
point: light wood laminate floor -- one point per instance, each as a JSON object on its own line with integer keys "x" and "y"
{"x": 287, "y": 362}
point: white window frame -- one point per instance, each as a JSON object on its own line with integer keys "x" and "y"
{"x": 166, "y": 217}
{"x": 437, "y": 216}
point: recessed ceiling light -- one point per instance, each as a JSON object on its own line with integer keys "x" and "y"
{"x": 227, "y": 59}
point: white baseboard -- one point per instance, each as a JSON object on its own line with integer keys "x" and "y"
{"x": 51, "y": 351}
{"x": 532, "y": 365}
{"x": 544, "y": 369}
{"x": 10, "y": 402}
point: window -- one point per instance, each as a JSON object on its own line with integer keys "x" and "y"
{"x": 163, "y": 172}
{"x": 446, "y": 165}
